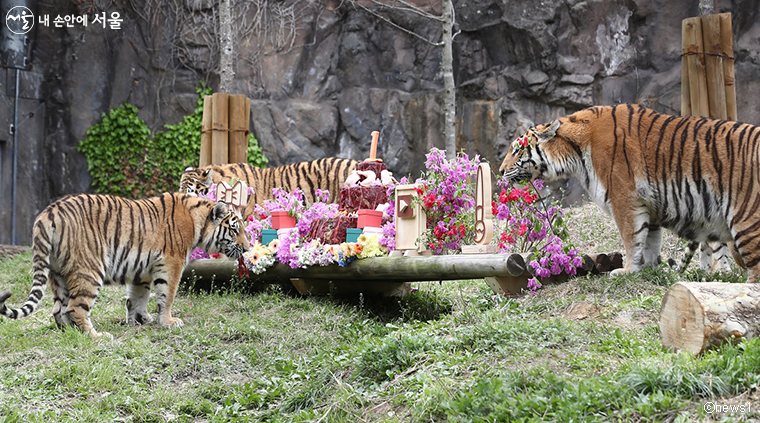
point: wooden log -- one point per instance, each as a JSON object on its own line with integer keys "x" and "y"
{"x": 695, "y": 316}
{"x": 587, "y": 267}
{"x": 602, "y": 263}
{"x": 381, "y": 269}
{"x": 616, "y": 260}
{"x": 716, "y": 90}
{"x": 220, "y": 129}
{"x": 205, "y": 156}
{"x": 727, "y": 50}
{"x": 238, "y": 128}
{"x": 693, "y": 50}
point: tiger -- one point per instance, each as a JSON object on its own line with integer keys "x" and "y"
{"x": 82, "y": 241}
{"x": 696, "y": 176}
{"x": 326, "y": 174}
{"x": 713, "y": 256}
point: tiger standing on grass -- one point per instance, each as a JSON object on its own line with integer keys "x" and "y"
{"x": 82, "y": 241}
{"x": 699, "y": 177}
{"x": 326, "y": 174}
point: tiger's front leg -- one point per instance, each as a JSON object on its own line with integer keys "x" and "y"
{"x": 633, "y": 224}
{"x": 165, "y": 286}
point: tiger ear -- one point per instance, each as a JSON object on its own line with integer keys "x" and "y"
{"x": 548, "y": 134}
{"x": 218, "y": 212}
{"x": 207, "y": 175}
{"x": 189, "y": 169}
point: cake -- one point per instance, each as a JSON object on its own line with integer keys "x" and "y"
{"x": 364, "y": 188}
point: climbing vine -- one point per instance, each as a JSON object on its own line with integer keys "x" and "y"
{"x": 124, "y": 161}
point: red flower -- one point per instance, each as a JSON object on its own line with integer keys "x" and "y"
{"x": 250, "y": 218}
{"x": 215, "y": 255}
{"x": 524, "y": 142}
{"x": 522, "y": 230}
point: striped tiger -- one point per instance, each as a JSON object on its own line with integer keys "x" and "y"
{"x": 699, "y": 177}
{"x": 713, "y": 256}
{"x": 82, "y": 241}
{"x": 326, "y": 174}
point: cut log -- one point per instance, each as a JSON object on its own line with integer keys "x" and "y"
{"x": 695, "y": 316}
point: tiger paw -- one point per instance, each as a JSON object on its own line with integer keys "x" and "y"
{"x": 617, "y": 272}
{"x": 100, "y": 335}
{"x": 171, "y": 323}
{"x": 139, "y": 319}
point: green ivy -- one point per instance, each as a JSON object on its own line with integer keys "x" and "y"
{"x": 115, "y": 150}
{"x": 124, "y": 161}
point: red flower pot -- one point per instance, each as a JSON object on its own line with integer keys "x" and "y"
{"x": 369, "y": 218}
{"x": 281, "y": 219}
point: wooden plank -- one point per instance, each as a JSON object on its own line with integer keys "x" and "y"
{"x": 727, "y": 50}
{"x": 693, "y": 50}
{"x": 205, "y": 154}
{"x": 239, "y": 128}
{"x": 220, "y": 129}
{"x": 716, "y": 91}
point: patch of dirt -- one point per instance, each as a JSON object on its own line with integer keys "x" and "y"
{"x": 582, "y": 311}
{"x": 11, "y": 250}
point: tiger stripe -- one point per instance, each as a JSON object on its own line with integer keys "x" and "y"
{"x": 327, "y": 173}
{"x": 82, "y": 241}
{"x": 697, "y": 176}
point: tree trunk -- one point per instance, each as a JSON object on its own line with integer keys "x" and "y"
{"x": 706, "y": 7}
{"x": 695, "y": 316}
{"x": 226, "y": 70}
{"x": 449, "y": 88}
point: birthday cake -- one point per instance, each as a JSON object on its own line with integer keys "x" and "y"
{"x": 331, "y": 230}
{"x": 366, "y": 187}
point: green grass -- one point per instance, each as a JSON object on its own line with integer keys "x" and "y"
{"x": 449, "y": 352}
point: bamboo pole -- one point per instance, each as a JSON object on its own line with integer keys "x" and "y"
{"x": 205, "y": 156}
{"x": 220, "y": 129}
{"x": 238, "y": 129}
{"x": 693, "y": 50}
{"x": 711, "y": 38}
{"x": 727, "y": 50}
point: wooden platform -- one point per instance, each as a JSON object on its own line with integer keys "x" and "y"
{"x": 506, "y": 274}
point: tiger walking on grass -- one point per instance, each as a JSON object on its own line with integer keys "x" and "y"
{"x": 82, "y": 241}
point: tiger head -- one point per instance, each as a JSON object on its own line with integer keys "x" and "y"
{"x": 196, "y": 181}
{"x": 223, "y": 232}
{"x": 538, "y": 154}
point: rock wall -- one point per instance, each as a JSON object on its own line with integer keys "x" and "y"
{"x": 324, "y": 74}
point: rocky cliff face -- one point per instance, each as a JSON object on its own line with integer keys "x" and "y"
{"x": 324, "y": 74}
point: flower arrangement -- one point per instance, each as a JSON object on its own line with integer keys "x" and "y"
{"x": 448, "y": 199}
{"x": 285, "y": 201}
{"x": 259, "y": 258}
{"x": 529, "y": 225}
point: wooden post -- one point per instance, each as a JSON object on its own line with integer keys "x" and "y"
{"x": 693, "y": 49}
{"x": 727, "y": 50}
{"x": 205, "y": 156}
{"x": 220, "y": 129}
{"x": 483, "y": 214}
{"x": 238, "y": 150}
{"x": 714, "y": 66}
{"x": 695, "y": 316}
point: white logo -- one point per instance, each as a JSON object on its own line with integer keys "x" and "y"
{"x": 19, "y": 20}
